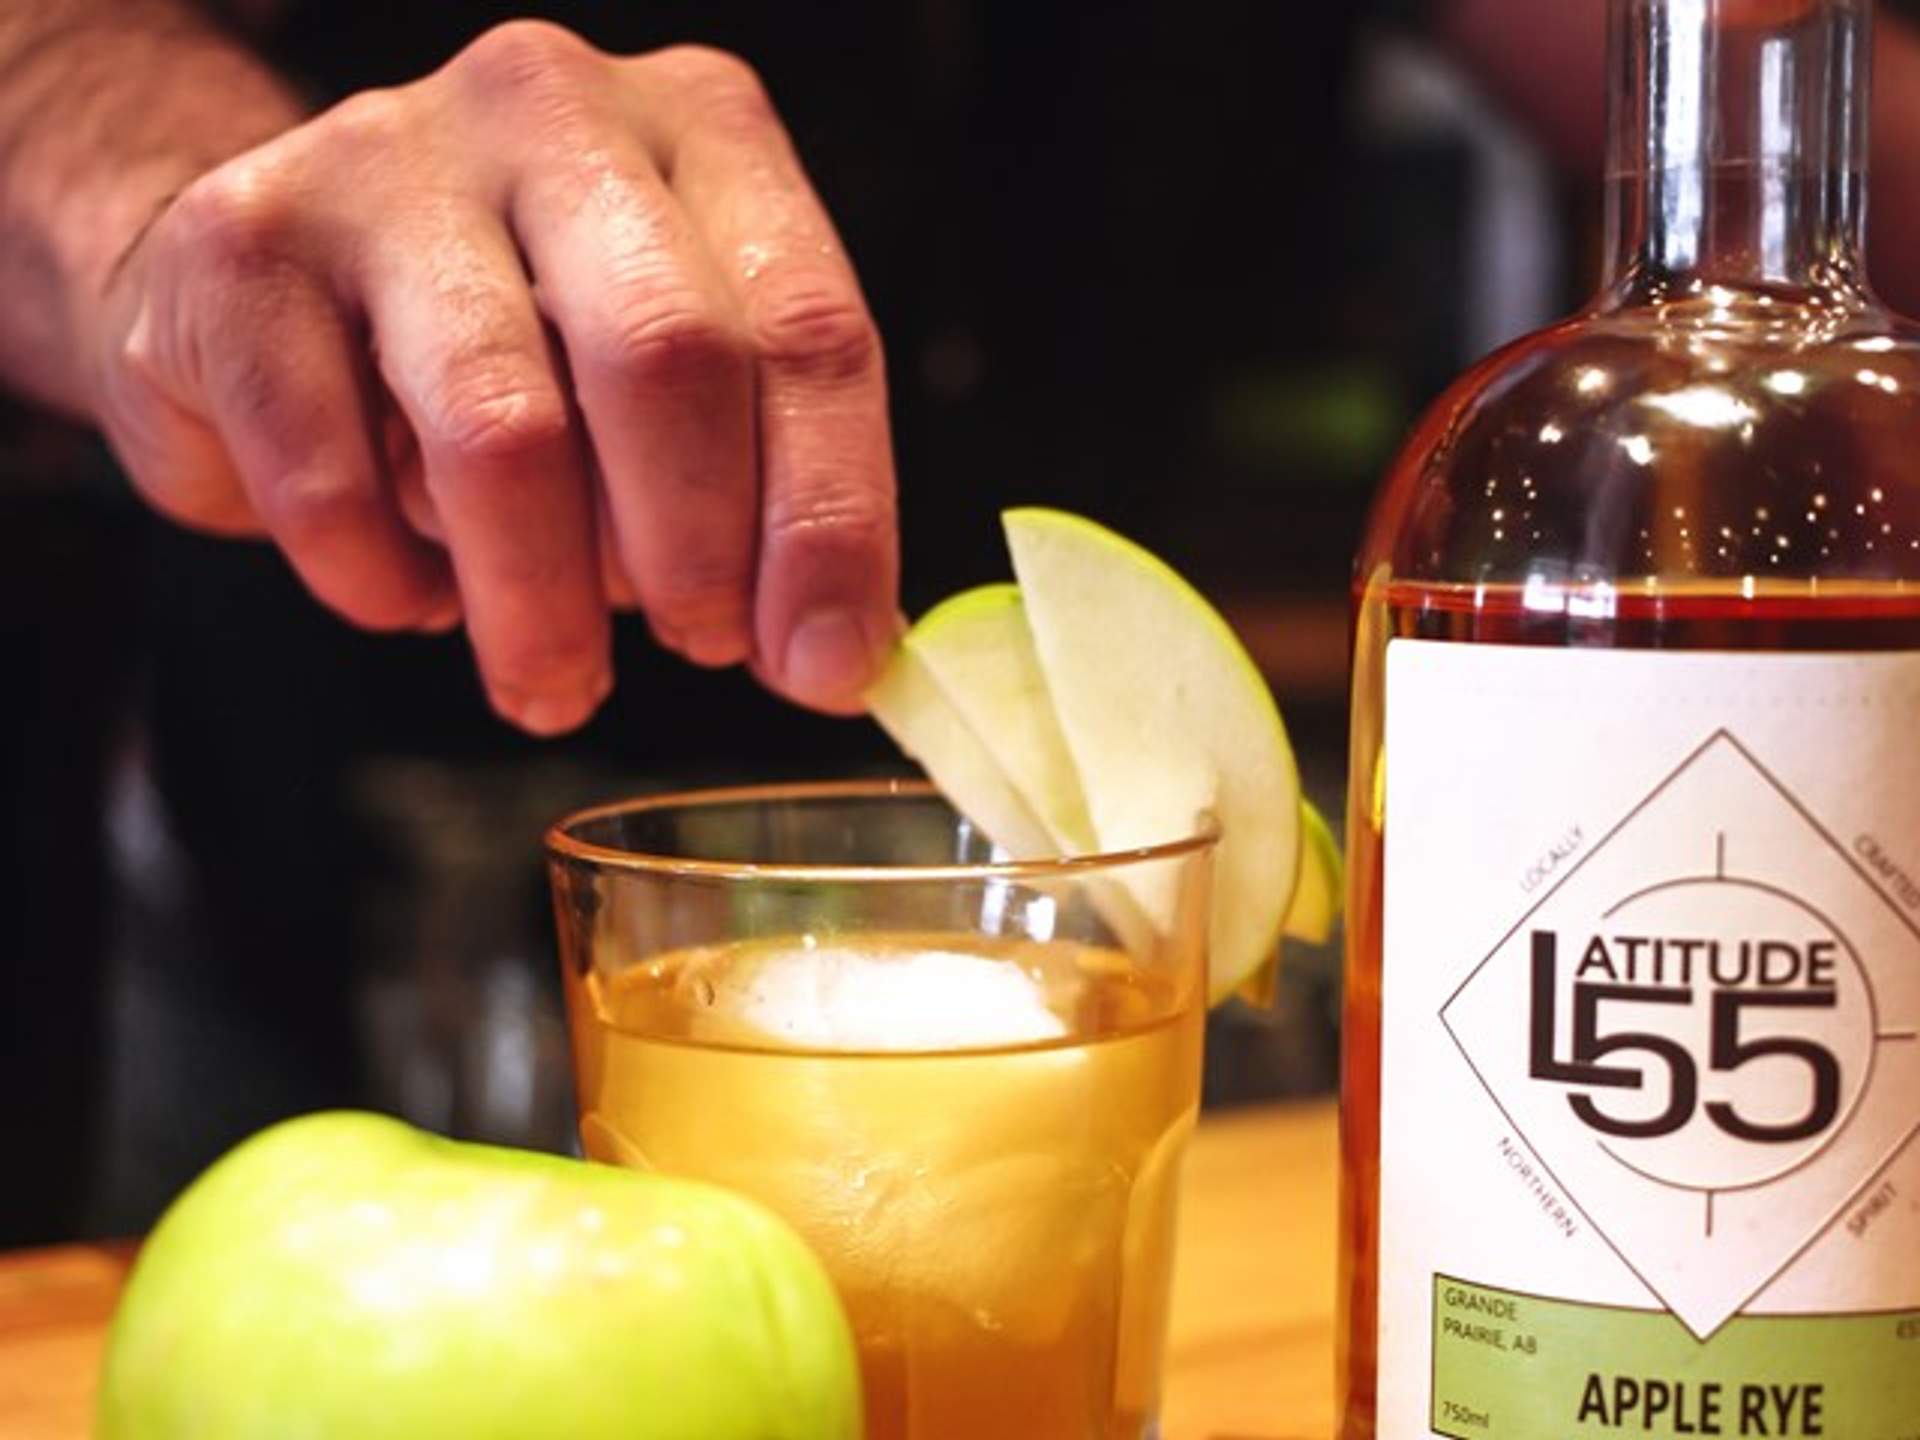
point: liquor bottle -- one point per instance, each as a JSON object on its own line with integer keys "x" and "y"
{"x": 1632, "y": 1069}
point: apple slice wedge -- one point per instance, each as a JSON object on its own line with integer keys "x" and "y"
{"x": 1170, "y": 717}
{"x": 949, "y": 740}
{"x": 911, "y": 708}
{"x": 1165, "y": 716}
{"x": 1321, "y": 889}
{"x": 978, "y": 648}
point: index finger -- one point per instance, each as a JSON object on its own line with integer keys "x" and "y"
{"x": 826, "y": 594}
{"x": 463, "y": 351}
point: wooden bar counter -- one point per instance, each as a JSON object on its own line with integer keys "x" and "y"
{"x": 1250, "y": 1355}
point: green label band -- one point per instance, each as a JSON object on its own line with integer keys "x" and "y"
{"x": 1508, "y": 1366}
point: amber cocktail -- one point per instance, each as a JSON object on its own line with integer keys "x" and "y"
{"x": 967, "y": 1082}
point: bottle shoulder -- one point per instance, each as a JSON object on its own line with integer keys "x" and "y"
{"x": 1684, "y": 442}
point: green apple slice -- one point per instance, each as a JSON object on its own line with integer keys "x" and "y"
{"x": 979, "y": 650}
{"x": 911, "y": 708}
{"x": 1318, "y": 893}
{"x": 969, "y": 696}
{"x": 948, "y": 739}
{"x": 1165, "y": 716}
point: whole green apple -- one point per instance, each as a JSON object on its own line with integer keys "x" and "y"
{"x": 345, "y": 1275}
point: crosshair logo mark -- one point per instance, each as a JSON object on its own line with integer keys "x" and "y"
{"x": 1714, "y": 1030}
{"x": 1708, "y": 1031}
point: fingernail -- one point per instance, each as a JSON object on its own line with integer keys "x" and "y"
{"x": 548, "y": 715}
{"x": 828, "y": 657}
{"x": 442, "y": 618}
{"x": 717, "y": 646}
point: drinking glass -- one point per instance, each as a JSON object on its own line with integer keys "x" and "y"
{"x": 967, "y": 1081}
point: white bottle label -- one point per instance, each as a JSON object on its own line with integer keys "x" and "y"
{"x": 1650, "y": 1149}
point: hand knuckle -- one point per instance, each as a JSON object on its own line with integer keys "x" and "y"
{"x": 142, "y": 363}
{"x": 668, "y": 341}
{"x": 524, "y": 49}
{"x": 841, "y": 514}
{"x": 498, "y": 423}
{"x": 818, "y": 330}
{"x": 728, "y": 93}
{"x": 371, "y": 121}
{"x": 713, "y": 71}
{"x": 236, "y": 217}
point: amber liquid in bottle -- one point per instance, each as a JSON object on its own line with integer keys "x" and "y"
{"x": 1721, "y": 454}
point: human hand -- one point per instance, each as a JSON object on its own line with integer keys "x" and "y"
{"x": 546, "y": 334}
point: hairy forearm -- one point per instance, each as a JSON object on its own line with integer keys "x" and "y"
{"x": 108, "y": 108}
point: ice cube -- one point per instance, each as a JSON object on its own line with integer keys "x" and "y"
{"x": 1018, "y": 1244}
{"x": 863, "y": 998}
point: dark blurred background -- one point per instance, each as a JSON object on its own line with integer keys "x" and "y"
{"x": 1190, "y": 269}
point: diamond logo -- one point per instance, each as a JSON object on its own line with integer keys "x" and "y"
{"x": 1708, "y": 1032}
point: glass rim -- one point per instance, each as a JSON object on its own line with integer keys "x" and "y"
{"x": 561, "y": 844}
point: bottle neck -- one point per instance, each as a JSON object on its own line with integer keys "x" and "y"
{"x": 1737, "y": 145}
